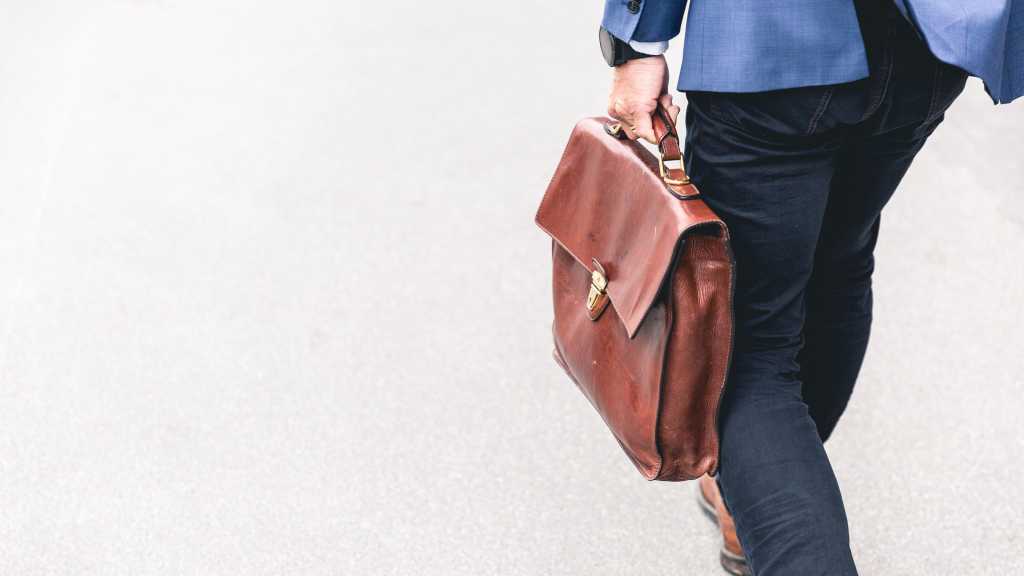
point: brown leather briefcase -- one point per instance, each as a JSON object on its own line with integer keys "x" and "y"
{"x": 643, "y": 282}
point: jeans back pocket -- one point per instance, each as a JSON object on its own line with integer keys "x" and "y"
{"x": 789, "y": 112}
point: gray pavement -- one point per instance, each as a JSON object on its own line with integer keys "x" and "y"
{"x": 272, "y": 302}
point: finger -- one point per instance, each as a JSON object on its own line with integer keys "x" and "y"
{"x": 670, "y": 107}
{"x": 630, "y": 132}
{"x": 674, "y": 112}
{"x": 644, "y": 128}
{"x": 617, "y": 110}
{"x": 615, "y": 113}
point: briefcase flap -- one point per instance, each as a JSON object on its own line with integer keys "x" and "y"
{"x": 607, "y": 202}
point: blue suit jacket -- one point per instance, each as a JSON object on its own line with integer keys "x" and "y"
{"x": 757, "y": 45}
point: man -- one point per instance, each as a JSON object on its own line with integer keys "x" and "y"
{"x": 802, "y": 118}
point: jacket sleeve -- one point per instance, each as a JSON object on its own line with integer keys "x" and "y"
{"x": 643, "y": 20}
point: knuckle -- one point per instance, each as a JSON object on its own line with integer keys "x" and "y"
{"x": 615, "y": 108}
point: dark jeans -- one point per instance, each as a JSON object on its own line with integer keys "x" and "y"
{"x": 800, "y": 176}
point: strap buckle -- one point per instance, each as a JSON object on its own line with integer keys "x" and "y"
{"x": 666, "y": 172}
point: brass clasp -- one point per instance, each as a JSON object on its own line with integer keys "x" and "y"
{"x": 598, "y": 284}
{"x": 597, "y": 298}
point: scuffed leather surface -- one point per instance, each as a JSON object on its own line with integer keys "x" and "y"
{"x": 620, "y": 376}
{"x": 697, "y": 358}
{"x": 607, "y": 201}
{"x": 653, "y": 369}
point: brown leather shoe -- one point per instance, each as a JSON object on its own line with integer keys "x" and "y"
{"x": 710, "y": 501}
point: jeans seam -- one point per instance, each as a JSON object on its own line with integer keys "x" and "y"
{"x": 888, "y": 63}
{"x": 825, "y": 99}
{"x": 885, "y": 88}
{"x": 936, "y": 88}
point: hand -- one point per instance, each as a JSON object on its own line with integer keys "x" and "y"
{"x": 637, "y": 88}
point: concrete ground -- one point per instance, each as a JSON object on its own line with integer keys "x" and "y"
{"x": 272, "y": 302}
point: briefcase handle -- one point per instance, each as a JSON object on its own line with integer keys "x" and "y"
{"x": 669, "y": 150}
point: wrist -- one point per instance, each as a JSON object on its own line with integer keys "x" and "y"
{"x": 650, "y": 64}
{"x": 617, "y": 52}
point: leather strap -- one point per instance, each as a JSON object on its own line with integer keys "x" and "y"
{"x": 668, "y": 146}
{"x": 666, "y": 135}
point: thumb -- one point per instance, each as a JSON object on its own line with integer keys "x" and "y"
{"x": 673, "y": 111}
